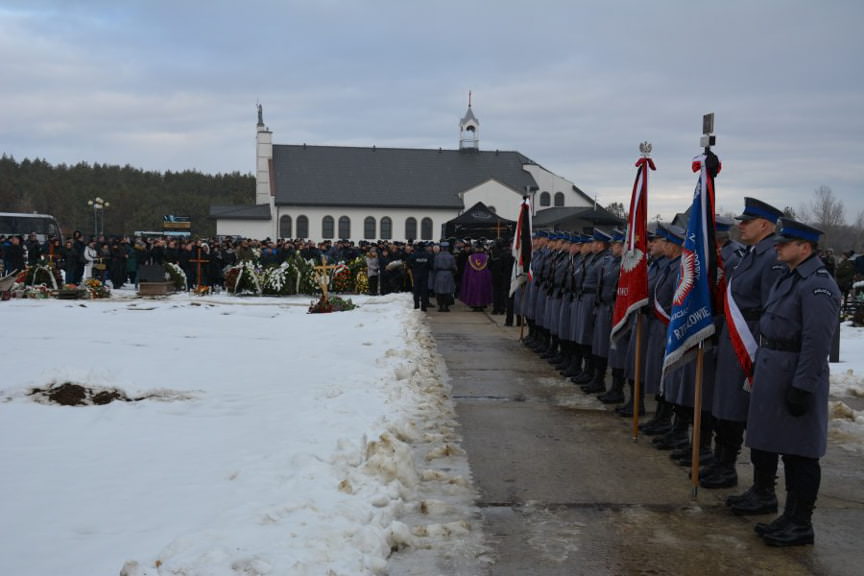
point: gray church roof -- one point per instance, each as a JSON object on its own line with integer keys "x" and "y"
{"x": 240, "y": 211}
{"x": 389, "y": 177}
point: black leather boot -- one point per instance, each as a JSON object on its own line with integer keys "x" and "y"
{"x": 662, "y": 421}
{"x": 759, "y": 498}
{"x": 588, "y": 371}
{"x": 762, "y": 528}
{"x": 575, "y": 367}
{"x": 598, "y": 383}
{"x": 615, "y": 395}
{"x": 797, "y": 530}
{"x": 626, "y": 410}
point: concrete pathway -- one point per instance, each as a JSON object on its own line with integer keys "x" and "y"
{"x": 564, "y": 490}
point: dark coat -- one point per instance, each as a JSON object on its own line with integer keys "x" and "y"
{"x": 802, "y": 309}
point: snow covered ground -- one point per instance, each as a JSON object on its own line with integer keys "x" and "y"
{"x": 272, "y": 441}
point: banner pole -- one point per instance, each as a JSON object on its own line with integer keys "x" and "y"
{"x": 697, "y": 423}
{"x": 521, "y": 309}
{"x": 637, "y": 377}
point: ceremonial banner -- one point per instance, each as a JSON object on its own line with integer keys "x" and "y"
{"x": 632, "y": 291}
{"x": 692, "y": 317}
{"x": 522, "y": 248}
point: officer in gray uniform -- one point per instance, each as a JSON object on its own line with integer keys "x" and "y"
{"x": 657, "y": 264}
{"x": 788, "y": 412}
{"x": 565, "y": 314}
{"x": 750, "y": 282}
{"x": 607, "y": 284}
{"x": 555, "y": 293}
{"x": 666, "y": 384}
{"x": 586, "y": 371}
{"x": 585, "y": 326}
{"x": 574, "y": 286}
{"x": 532, "y": 289}
{"x": 617, "y": 355}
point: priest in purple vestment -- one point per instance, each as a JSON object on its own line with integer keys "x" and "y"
{"x": 476, "y": 287}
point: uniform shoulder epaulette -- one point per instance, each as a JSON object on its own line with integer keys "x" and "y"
{"x": 823, "y": 272}
{"x": 778, "y": 267}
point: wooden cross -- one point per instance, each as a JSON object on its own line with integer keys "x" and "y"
{"x": 199, "y": 261}
{"x": 322, "y": 273}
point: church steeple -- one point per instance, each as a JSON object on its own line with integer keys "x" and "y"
{"x": 469, "y": 129}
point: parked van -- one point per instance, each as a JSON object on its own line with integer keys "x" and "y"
{"x": 20, "y": 223}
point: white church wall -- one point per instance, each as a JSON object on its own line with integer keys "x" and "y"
{"x": 258, "y": 229}
{"x": 493, "y": 194}
{"x": 552, "y": 183}
{"x": 357, "y": 216}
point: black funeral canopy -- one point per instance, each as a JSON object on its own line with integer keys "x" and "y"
{"x": 479, "y": 222}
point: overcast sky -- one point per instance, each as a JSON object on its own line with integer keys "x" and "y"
{"x": 573, "y": 85}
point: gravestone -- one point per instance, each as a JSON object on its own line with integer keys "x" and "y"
{"x": 151, "y": 281}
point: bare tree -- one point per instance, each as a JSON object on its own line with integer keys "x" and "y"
{"x": 617, "y": 209}
{"x": 826, "y": 212}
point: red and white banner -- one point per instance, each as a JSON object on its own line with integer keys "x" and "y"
{"x": 632, "y": 291}
{"x": 522, "y": 247}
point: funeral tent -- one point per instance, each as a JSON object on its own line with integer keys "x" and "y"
{"x": 479, "y": 222}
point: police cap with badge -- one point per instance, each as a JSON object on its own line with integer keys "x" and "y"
{"x": 754, "y": 208}
{"x": 789, "y": 230}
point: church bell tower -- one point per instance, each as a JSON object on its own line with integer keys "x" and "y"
{"x": 469, "y": 130}
{"x": 263, "y": 160}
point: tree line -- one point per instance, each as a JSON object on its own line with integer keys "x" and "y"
{"x": 138, "y": 198}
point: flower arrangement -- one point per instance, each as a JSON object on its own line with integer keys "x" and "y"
{"x": 332, "y": 304}
{"x": 43, "y": 273}
{"x": 244, "y": 278}
{"x": 96, "y": 289}
{"x": 341, "y": 280}
{"x": 358, "y": 272}
{"x": 176, "y": 275}
{"x": 278, "y": 280}
{"x": 38, "y": 291}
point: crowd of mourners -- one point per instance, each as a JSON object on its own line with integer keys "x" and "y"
{"x": 477, "y": 272}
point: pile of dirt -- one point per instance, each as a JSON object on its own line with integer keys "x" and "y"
{"x": 69, "y": 394}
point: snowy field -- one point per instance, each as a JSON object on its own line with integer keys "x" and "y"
{"x": 269, "y": 440}
{"x": 259, "y": 440}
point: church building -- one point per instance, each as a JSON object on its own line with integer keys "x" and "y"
{"x": 400, "y": 194}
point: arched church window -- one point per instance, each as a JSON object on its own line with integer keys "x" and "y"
{"x": 426, "y": 229}
{"x": 545, "y": 199}
{"x": 327, "y": 231}
{"x": 559, "y": 199}
{"x": 386, "y": 228}
{"x": 285, "y": 227}
{"x": 344, "y": 227}
{"x": 369, "y": 228}
{"x": 302, "y": 226}
{"x": 410, "y": 228}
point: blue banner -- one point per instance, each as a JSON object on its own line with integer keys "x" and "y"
{"x": 692, "y": 316}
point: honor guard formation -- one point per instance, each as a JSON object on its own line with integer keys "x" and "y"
{"x": 780, "y": 299}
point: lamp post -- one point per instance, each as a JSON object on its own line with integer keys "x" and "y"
{"x": 98, "y": 205}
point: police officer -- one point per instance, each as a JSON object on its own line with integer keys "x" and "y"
{"x": 617, "y": 356}
{"x": 584, "y": 325}
{"x": 788, "y": 412}
{"x": 420, "y": 264}
{"x": 601, "y": 323}
{"x": 749, "y": 285}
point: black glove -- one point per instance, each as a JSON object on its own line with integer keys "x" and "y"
{"x": 798, "y": 401}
